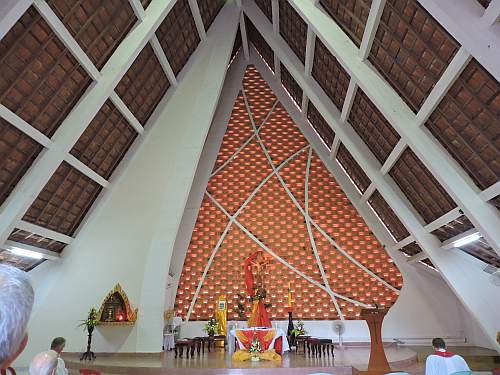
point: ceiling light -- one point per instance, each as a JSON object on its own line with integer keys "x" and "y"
{"x": 25, "y": 253}
{"x": 467, "y": 239}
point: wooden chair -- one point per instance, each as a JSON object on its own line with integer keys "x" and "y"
{"x": 218, "y": 338}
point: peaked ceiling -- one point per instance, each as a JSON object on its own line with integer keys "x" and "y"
{"x": 56, "y": 53}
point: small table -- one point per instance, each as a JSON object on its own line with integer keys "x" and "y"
{"x": 168, "y": 341}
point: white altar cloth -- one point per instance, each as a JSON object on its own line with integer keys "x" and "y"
{"x": 168, "y": 341}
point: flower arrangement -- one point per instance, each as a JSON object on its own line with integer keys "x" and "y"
{"x": 91, "y": 322}
{"x": 255, "y": 346}
{"x": 212, "y": 327}
{"x": 299, "y": 329}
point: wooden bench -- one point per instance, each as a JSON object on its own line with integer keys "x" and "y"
{"x": 319, "y": 346}
{"x": 184, "y": 343}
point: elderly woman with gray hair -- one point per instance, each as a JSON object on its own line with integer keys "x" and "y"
{"x": 16, "y": 302}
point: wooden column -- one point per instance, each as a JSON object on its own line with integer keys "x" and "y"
{"x": 378, "y": 361}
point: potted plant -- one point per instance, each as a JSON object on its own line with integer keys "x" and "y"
{"x": 89, "y": 325}
{"x": 298, "y": 330}
{"x": 211, "y": 327}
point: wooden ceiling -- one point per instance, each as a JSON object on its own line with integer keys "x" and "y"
{"x": 42, "y": 82}
{"x": 411, "y": 51}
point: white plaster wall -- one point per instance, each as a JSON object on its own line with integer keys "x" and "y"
{"x": 128, "y": 237}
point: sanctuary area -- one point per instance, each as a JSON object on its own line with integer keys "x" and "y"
{"x": 250, "y": 187}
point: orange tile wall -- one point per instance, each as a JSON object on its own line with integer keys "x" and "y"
{"x": 273, "y": 218}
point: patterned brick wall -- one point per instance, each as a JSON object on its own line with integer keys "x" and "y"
{"x": 267, "y": 177}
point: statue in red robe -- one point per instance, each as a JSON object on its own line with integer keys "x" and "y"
{"x": 255, "y": 288}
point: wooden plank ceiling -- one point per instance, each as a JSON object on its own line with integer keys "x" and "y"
{"x": 42, "y": 81}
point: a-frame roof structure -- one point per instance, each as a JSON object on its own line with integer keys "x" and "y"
{"x": 404, "y": 95}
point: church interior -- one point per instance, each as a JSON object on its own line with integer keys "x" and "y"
{"x": 253, "y": 186}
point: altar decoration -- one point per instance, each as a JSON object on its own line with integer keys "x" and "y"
{"x": 258, "y": 344}
{"x": 221, "y": 314}
{"x": 255, "y": 288}
{"x": 116, "y": 310}
{"x": 211, "y": 327}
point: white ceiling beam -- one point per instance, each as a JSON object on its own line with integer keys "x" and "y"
{"x": 23, "y": 126}
{"x": 464, "y": 21}
{"x": 450, "y": 74}
{"x": 64, "y": 35}
{"x": 275, "y": 11}
{"x": 44, "y": 232}
{"x": 83, "y": 168}
{"x": 393, "y": 156}
{"x": 129, "y": 116}
{"x": 348, "y": 100}
{"x": 371, "y": 27}
{"x": 450, "y": 264}
{"x": 449, "y": 244}
{"x": 155, "y": 44}
{"x": 82, "y": 114}
{"x": 162, "y": 58}
{"x": 46, "y": 254}
{"x": 404, "y": 242}
{"x": 137, "y": 8}
{"x": 368, "y": 192}
{"x": 417, "y": 258}
{"x": 491, "y": 192}
{"x": 244, "y": 36}
{"x": 193, "y": 4}
{"x": 491, "y": 14}
{"x": 444, "y": 168}
{"x": 310, "y": 46}
{"x": 305, "y": 103}
{"x": 335, "y": 147}
{"x": 10, "y": 12}
{"x": 443, "y": 220}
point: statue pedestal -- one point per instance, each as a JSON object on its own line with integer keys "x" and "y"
{"x": 378, "y": 363}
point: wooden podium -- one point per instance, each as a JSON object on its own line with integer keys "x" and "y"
{"x": 378, "y": 363}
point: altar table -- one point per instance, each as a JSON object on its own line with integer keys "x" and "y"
{"x": 278, "y": 343}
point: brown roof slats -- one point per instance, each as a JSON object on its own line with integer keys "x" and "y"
{"x": 320, "y": 125}
{"x": 209, "y": 9}
{"x": 350, "y": 15}
{"x": 105, "y": 141}
{"x": 64, "y": 201}
{"x": 291, "y": 85}
{"x": 17, "y": 153}
{"x": 372, "y": 127}
{"x": 144, "y": 85}
{"x": 423, "y": 191}
{"x": 41, "y": 81}
{"x": 411, "y": 50}
{"x": 361, "y": 180}
{"x": 467, "y": 123}
{"x": 28, "y": 238}
{"x": 330, "y": 75}
{"x": 293, "y": 29}
{"x": 266, "y": 7}
{"x": 453, "y": 228}
{"x": 388, "y": 216}
{"x": 178, "y": 35}
{"x": 260, "y": 43}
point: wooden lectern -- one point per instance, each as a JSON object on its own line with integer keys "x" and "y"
{"x": 378, "y": 363}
